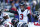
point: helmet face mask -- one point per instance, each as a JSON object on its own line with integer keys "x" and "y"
{"x": 22, "y": 7}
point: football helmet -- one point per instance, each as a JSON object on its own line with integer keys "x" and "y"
{"x": 14, "y": 22}
{"x": 22, "y": 5}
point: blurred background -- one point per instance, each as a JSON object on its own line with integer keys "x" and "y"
{"x": 11, "y": 6}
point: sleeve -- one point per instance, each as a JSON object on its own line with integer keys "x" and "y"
{"x": 29, "y": 16}
{"x": 28, "y": 11}
{"x": 6, "y": 24}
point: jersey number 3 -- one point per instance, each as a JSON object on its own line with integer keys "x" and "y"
{"x": 21, "y": 17}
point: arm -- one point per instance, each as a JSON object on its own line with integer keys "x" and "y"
{"x": 29, "y": 17}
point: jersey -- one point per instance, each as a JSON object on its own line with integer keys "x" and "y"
{"x": 33, "y": 24}
{"x": 19, "y": 24}
{"x": 9, "y": 21}
{"x": 23, "y": 16}
{"x": 6, "y": 23}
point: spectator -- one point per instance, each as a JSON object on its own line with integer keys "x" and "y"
{"x": 34, "y": 6}
{"x": 13, "y": 9}
{"x": 11, "y": 1}
{"x": 17, "y": 4}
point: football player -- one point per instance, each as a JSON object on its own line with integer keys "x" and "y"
{"x": 3, "y": 23}
{"x": 23, "y": 14}
{"x": 7, "y": 19}
{"x": 14, "y": 22}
